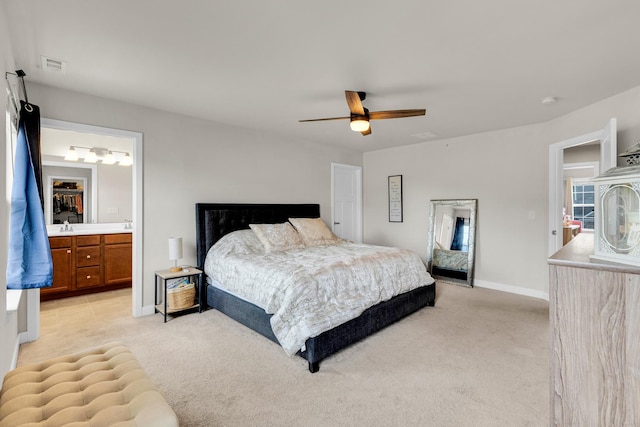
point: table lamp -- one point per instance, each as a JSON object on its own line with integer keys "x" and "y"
{"x": 175, "y": 252}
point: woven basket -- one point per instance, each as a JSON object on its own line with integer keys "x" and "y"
{"x": 181, "y": 297}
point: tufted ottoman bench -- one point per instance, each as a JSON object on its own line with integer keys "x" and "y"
{"x": 104, "y": 386}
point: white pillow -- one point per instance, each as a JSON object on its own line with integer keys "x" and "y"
{"x": 277, "y": 237}
{"x": 314, "y": 231}
{"x": 239, "y": 242}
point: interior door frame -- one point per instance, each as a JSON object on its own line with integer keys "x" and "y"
{"x": 33, "y": 304}
{"x": 608, "y": 160}
{"x": 357, "y": 170}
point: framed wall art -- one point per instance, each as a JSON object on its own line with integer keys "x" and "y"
{"x": 395, "y": 198}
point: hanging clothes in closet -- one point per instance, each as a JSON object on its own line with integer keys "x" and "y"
{"x": 29, "y": 263}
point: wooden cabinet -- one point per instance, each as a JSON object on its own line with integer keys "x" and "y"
{"x": 117, "y": 259}
{"x": 89, "y": 263}
{"x": 594, "y": 310}
{"x": 63, "y": 273}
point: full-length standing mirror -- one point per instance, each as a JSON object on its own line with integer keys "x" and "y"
{"x": 451, "y": 240}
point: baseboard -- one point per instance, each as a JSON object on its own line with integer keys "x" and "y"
{"x": 148, "y": 310}
{"x": 511, "y": 289}
{"x": 22, "y": 337}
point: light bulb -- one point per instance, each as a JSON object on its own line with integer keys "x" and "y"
{"x": 91, "y": 157}
{"x": 359, "y": 125}
{"x": 72, "y": 155}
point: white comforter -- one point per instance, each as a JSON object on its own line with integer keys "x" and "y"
{"x": 312, "y": 290}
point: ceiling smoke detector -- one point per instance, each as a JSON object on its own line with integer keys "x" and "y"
{"x": 53, "y": 65}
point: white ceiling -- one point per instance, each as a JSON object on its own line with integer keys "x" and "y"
{"x": 474, "y": 65}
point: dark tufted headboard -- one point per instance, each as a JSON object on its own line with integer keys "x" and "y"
{"x": 214, "y": 220}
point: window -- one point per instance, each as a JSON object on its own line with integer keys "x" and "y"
{"x": 583, "y": 205}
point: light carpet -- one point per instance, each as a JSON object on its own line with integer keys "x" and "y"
{"x": 478, "y": 358}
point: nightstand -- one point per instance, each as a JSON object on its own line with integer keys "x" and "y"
{"x": 162, "y": 276}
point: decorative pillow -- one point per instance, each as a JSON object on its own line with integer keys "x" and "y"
{"x": 314, "y": 231}
{"x": 277, "y": 237}
{"x": 239, "y": 242}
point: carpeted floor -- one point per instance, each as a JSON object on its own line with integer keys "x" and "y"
{"x": 478, "y": 358}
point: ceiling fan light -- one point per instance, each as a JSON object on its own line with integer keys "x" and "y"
{"x": 72, "y": 154}
{"x": 359, "y": 124}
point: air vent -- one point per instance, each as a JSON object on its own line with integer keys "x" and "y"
{"x": 425, "y": 135}
{"x": 53, "y": 65}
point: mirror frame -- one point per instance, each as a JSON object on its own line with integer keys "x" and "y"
{"x": 472, "y": 204}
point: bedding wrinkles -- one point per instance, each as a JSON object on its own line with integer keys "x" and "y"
{"x": 314, "y": 289}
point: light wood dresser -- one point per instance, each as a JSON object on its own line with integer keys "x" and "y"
{"x": 594, "y": 311}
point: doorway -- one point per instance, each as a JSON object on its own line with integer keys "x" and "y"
{"x": 346, "y": 201}
{"x": 606, "y": 139}
{"x": 135, "y": 139}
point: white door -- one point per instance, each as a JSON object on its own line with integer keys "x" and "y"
{"x": 446, "y": 232}
{"x": 346, "y": 188}
{"x": 608, "y": 151}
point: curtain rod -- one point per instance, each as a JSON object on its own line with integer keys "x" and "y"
{"x": 21, "y": 75}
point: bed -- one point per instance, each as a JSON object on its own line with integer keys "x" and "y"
{"x": 216, "y": 220}
{"x": 448, "y": 263}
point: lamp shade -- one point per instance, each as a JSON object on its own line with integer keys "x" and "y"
{"x": 175, "y": 248}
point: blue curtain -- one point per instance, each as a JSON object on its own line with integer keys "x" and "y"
{"x": 458, "y": 235}
{"x": 29, "y": 262}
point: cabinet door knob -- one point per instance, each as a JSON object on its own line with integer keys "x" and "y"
{"x": 88, "y": 256}
{"x": 88, "y": 277}
{"x": 68, "y": 251}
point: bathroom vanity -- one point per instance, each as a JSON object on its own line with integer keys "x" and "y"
{"x": 87, "y": 260}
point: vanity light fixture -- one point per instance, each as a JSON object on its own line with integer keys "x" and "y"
{"x": 91, "y": 157}
{"x": 95, "y": 154}
{"x": 109, "y": 159}
{"x": 72, "y": 154}
{"x": 126, "y": 160}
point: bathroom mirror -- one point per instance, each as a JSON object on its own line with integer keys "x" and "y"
{"x": 65, "y": 186}
{"x": 67, "y": 200}
{"x": 451, "y": 240}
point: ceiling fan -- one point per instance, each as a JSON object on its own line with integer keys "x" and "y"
{"x": 360, "y": 116}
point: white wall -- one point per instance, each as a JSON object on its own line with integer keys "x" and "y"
{"x": 114, "y": 192}
{"x": 188, "y": 160}
{"x": 507, "y": 171}
{"x": 8, "y": 320}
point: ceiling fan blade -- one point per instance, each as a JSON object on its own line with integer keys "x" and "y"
{"x": 322, "y": 120}
{"x": 395, "y": 114}
{"x": 366, "y": 132}
{"x": 354, "y": 102}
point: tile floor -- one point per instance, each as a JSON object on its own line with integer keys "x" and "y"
{"x": 66, "y": 321}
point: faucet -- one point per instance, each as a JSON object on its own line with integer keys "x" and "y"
{"x": 66, "y": 227}
{"x": 128, "y": 224}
